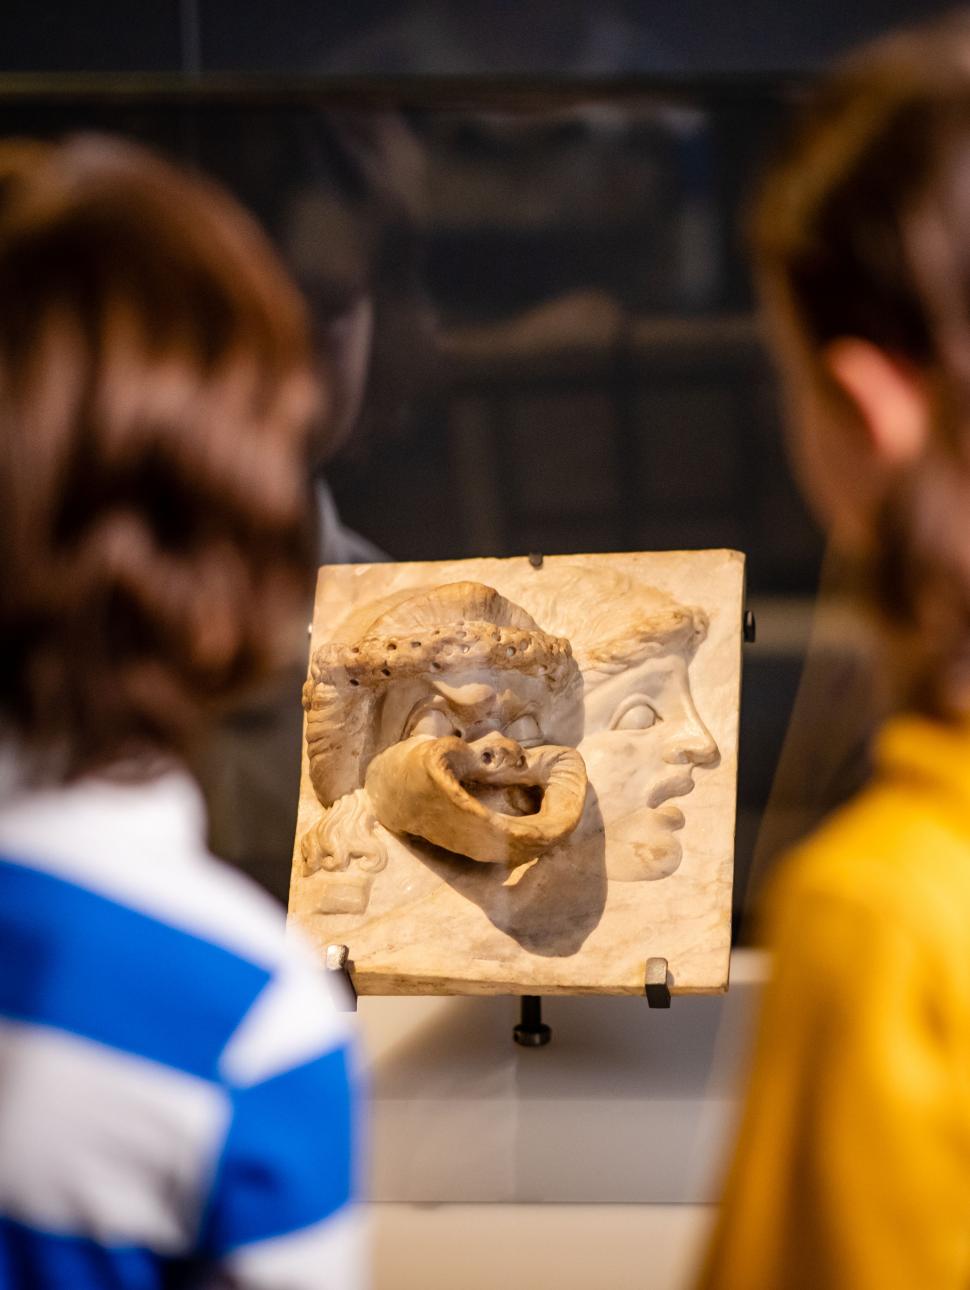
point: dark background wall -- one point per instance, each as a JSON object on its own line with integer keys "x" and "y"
{"x": 439, "y": 36}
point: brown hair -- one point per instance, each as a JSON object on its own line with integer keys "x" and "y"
{"x": 155, "y": 400}
{"x": 863, "y": 230}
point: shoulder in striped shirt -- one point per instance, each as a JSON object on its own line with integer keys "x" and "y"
{"x": 176, "y": 1088}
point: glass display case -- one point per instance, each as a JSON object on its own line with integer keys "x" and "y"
{"x": 534, "y": 299}
{"x": 534, "y": 315}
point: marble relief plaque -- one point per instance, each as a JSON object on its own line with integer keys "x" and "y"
{"x": 519, "y": 779}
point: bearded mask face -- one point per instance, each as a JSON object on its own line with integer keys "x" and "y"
{"x": 456, "y": 717}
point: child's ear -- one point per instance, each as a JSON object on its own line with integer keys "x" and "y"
{"x": 889, "y": 396}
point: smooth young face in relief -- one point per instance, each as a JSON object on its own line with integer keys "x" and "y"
{"x": 644, "y": 739}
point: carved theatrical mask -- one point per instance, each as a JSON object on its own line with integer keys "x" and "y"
{"x": 643, "y": 736}
{"x": 443, "y": 714}
{"x": 541, "y": 758}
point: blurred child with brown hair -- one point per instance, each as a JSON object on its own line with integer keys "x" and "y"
{"x": 176, "y": 1094}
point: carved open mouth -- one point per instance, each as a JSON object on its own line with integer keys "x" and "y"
{"x": 502, "y": 778}
{"x": 490, "y": 800}
{"x": 515, "y": 799}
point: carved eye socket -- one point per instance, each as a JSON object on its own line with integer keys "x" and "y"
{"x": 433, "y": 722}
{"x": 637, "y": 716}
{"x": 525, "y": 731}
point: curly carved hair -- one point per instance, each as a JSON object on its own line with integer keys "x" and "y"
{"x": 614, "y": 620}
{"x": 428, "y": 629}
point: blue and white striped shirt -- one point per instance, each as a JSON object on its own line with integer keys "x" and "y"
{"x": 176, "y": 1098}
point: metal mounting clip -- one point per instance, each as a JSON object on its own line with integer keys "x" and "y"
{"x": 338, "y": 961}
{"x": 656, "y": 985}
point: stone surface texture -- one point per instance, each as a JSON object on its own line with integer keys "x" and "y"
{"x": 520, "y": 779}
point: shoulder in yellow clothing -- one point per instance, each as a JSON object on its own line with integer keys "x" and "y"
{"x": 852, "y": 1168}
{"x": 902, "y": 848}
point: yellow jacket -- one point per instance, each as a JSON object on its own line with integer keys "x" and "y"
{"x": 852, "y": 1166}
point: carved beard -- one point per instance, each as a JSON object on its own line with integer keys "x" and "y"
{"x": 444, "y": 790}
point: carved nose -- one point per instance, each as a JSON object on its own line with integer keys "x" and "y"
{"x": 499, "y": 750}
{"x": 694, "y": 746}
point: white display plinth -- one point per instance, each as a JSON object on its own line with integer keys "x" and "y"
{"x": 537, "y": 1247}
{"x": 627, "y": 1104}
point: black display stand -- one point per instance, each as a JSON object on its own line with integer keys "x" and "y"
{"x": 531, "y": 1032}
